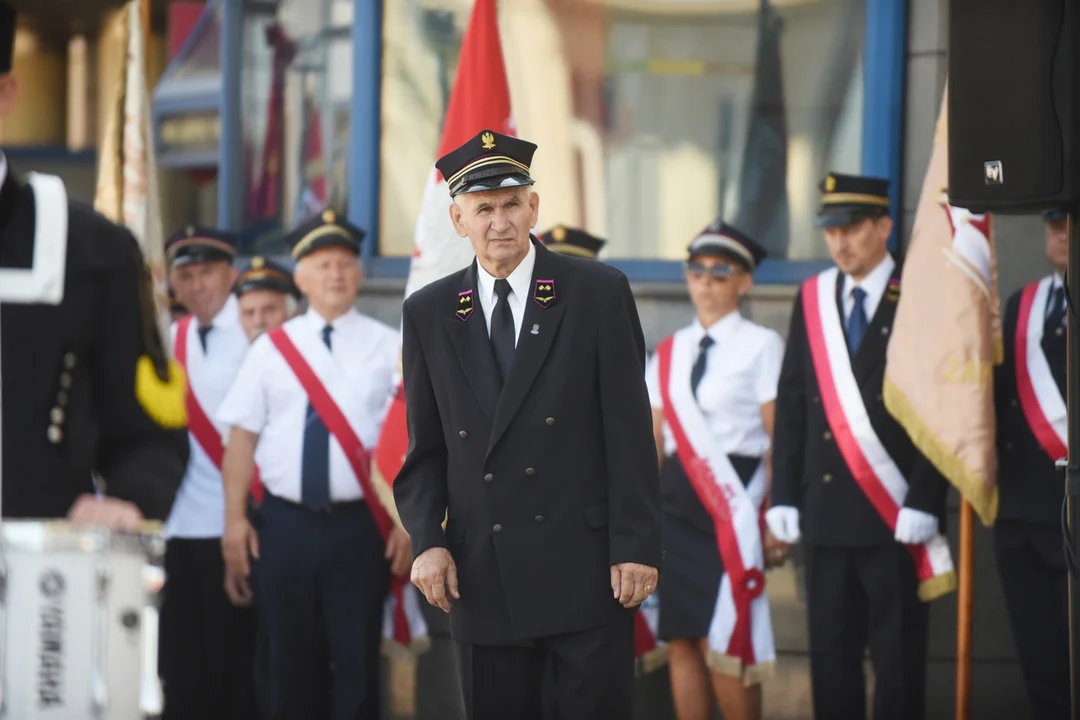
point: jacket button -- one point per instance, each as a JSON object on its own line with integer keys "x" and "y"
{"x": 497, "y": 528}
{"x": 828, "y": 435}
{"x": 65, "y": 381}
{"x": 826, "y": 478}
{"x": 54, "y": 434}
{"x": 550, "y": 421}
{"x": 463, "y": 434}
{"x": 489, "y": 477}
{"x": 530, "y": 471}
{"x": 69, "y": 360}
{"x": 1013, "y": 402}
{"x": 56, "y": 415}
{"x": 539, "y": 518}
{"x": 61, "y": 397}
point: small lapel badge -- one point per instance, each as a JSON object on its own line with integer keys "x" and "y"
{"x": 535, "y": 330}
{"x": 892, "y": 290}
{"x": 544, "y": 294}
{"x": 465, "y": 305}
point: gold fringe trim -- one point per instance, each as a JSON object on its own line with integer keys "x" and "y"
{"x": 652, "y": 660}
{"x": 937, "y": 586}
{"x": 163, "y": 400}
{"x": 733, "y": 666}
{"x": 392, "y": 649}
{"x": 966, "y": 480}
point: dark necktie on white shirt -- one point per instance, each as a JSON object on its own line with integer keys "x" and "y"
{"x": 315, "y": 462}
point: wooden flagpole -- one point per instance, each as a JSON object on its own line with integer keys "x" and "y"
{"x": 964, "y": 602}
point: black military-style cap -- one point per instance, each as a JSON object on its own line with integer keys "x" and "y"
{"x": 194, "y": 244}
{"x": 489, "y": 161}
{"x": 571, "y": 241}
{"x": 849, "y": 199}
{"x": 327, "y": 229}
{"x": 7, "y": 37}
{"x": 265, "y": 274}
{"x": 728, "y": 242}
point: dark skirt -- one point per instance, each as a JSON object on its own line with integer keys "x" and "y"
{"x": 692, "y": 570}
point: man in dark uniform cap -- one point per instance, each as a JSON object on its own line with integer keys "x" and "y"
{"x": 862, "y": 586}
{"x": 529, "y": 431}
{"x": 266, "y": 295}
{"x": 86, "y": 384}
{"x": 571, "y": 241}
{"x": 1029, "y": 395}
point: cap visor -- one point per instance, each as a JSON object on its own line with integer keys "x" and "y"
{"x": 495, "y": 183}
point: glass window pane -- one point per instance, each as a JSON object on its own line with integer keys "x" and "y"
{"x": 297, "y": 89}
{"x": 652, "y": 116}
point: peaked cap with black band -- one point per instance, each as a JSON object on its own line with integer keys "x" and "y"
{"x": 327, "y": 229}
{"x": 264, "y": 274}
{"x": 489, "y": 161}
{"x": 571, "y": 241}
{"x": 850, "y": 199}
{"x": 728, "y": 242}
{"x": 194, "y": 244}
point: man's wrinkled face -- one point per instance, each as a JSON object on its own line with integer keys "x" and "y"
{"x": 262, "y": 310}
{"x": 497, "y": 223}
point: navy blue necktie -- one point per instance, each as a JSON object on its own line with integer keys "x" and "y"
{"x": 698, "y": 371}
{"x": 203, "y": 332}
{"x": 1055, "y": 316}
{"x": 857, "y": 323}
{"x": 315, "y": 463}
{"x": 502, "y": 329}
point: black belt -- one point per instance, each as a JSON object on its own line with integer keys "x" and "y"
{"x": 330, "y": 509}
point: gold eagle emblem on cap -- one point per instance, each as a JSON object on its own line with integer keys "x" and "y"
{"x": 558, "y": 233}
{"x": 830, "y": 184}
{"x": 489, "y": 141}
{"x": 190, "y": 231}
{"x": 257, "y": 262}
{"x": 328, "y": 216}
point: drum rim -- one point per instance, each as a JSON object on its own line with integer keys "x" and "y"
{"x": 60, "y": 536}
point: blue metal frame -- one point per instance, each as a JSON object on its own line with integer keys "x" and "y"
{"x": 365, "y": 126}
{"x": 231, "y": 145}
{"x": 883, "y": 97}
{"x": 882, "y": 138}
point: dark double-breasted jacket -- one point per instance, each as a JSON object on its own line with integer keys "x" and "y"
{"x": 546, "y": 481}
{"x": 69, "y": 401}
{"x": 808, "y": 470}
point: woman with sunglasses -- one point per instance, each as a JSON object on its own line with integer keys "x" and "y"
{"x": 712, "y": 385}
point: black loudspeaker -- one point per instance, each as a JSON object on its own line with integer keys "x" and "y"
{"x": 1014, "y": 70}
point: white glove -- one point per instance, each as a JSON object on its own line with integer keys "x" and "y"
{"x": 914, "y": 527}
{"x": 783, "y": 521}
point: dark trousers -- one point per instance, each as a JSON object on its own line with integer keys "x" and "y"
{"x": 1034, "y": 577}
{"x": 321, "y": 581}
{"x": 593, "y": 675}
{"x": 206, "y": 645}
{"x": 858, "y": 597}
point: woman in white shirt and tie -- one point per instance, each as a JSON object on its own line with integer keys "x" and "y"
{"x": 712, "y": 385}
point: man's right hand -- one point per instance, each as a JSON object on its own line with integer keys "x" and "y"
{"x": 434, "y": 572}
{"x": 239, "y": 540}
{"x": 783, "y": 520}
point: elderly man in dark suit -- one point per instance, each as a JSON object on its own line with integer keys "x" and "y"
{"x": 529, "y": 432}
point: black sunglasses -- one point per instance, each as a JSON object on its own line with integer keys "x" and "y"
{"x": 720, "y": 271}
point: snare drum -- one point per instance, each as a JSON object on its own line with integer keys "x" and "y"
{"x": 73, "y": 612}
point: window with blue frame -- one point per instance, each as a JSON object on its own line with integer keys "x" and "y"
{"x": 296, "y": 89}
{"x": 651, "y": 117}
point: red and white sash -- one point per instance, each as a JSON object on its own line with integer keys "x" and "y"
{"x": 403, "y": 622}
{"x": 866, "y": 457}
{"x": 740, "y": 634}
{"x": 199, "y": 424}
{"x": 1040, "y": 398}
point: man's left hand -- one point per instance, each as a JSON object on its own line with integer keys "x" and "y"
{"x": 632, "y": 583}
{"x": 107, "y": 512}
{"x": 398, "y": 553}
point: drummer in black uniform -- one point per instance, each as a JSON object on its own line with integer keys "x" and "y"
{"x": 1030, "y": 397}
{"x": 86, "y": 384}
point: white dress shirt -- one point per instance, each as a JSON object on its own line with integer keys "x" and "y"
{"x": 874, "y": 284}
{"x": 520, "y": 291}
{"x": 267, "y": 399}
{"x": 199, "y": 509}
{"x": 742, "y": 371}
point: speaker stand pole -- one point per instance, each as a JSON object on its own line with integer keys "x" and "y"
{"x": 1072, "y": 472}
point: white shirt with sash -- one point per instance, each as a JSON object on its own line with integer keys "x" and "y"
{"x": 1041, "y": 400}
{"x": 267, "y": 399}
{"x": 864, "y": 454}
{"x": 745, "y": 366}
{"x": 199, "y": 509}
